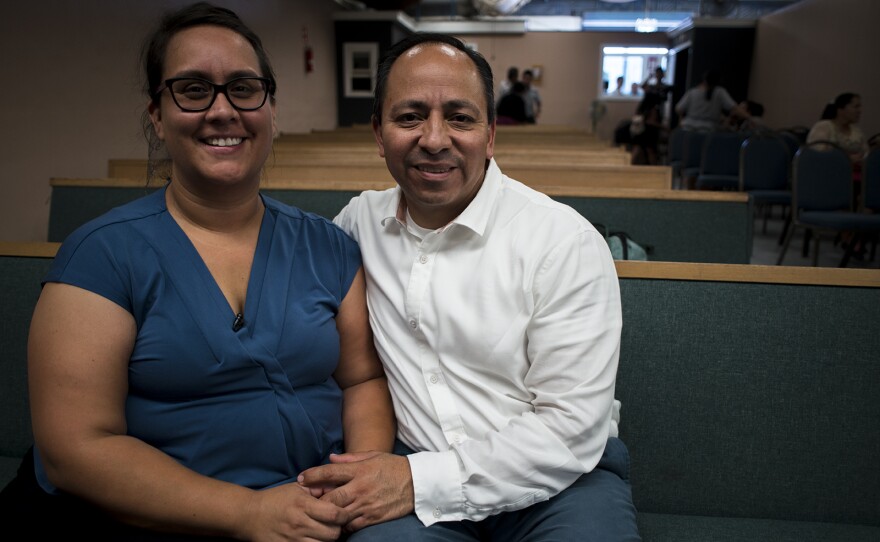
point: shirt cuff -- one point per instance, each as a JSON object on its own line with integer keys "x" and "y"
{"x": 436, "y": 486}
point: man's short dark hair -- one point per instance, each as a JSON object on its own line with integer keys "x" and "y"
{"x": 483, "y": 68}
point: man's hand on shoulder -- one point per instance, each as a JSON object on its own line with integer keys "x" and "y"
{"x": 373, "y": 486}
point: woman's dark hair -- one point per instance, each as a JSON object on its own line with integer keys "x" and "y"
{"x": 754, "y": 108}
{"x": 829, "y": 112}
{"x": 155, "y": 47}
{"x": 199, "y": 14}
{"x": 712, "y": 78}
{"x": 483, "y": 69}
{"x": 841, "y": 101}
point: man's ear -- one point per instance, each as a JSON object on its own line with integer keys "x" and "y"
{"x": 377, "y": 133}
{"x": 156, "y": 119}
{"x": 490, "y": 144}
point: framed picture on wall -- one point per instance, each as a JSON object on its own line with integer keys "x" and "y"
{"x": 537, "y": 72}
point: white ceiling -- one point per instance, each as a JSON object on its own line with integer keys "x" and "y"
{"x": 616, "y": 14}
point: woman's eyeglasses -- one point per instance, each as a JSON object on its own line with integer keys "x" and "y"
{"x": 193, "y": 94}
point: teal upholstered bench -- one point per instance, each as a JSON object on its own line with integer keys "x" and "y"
{"x": 679, "y": 225}
{"x": 750, "y": 396}
{"x": 751, "y": 401}
{"x": 22, "y": 265}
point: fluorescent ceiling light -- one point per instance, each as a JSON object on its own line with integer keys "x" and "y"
{"x": 635, "y": 50}
{"x": 623, "y": 24}
{"x": 553, "y": 24}
{"x": 646, "y": 25}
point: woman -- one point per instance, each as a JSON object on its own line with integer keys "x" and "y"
{"x": 839, "y": 126}
{"x": 704, "y": 106}
{"x": 194, "y": 350}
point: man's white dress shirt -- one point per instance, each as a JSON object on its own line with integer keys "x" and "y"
{"x": 500, "y": 336}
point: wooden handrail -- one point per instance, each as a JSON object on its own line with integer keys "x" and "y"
{"x": 29, "y": 249}
{"x": 360, "y": 186}
{"x": 763, "y": 274}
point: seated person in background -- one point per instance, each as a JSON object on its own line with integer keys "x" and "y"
{"x": 193, "y": 351}
{"x": 532, "y": 97}
{"x": 839, "y": 126}
{"x": 496, "y": 312}
{"x": 512, "y": 107}
{"x": 705, "y": 106}
{"x": 754, "y": 121}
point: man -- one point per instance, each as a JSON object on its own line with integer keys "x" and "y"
{"x": 619, "y": 90}
{"x": 496, "y": 312}
{"x": 532, "y": 97}
{"x": 507, "y": 85}
{"x": 657, "y": 88}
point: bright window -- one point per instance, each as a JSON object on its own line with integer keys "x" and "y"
{"x": 634, "y": 65}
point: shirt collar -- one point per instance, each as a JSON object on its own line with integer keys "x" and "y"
{"x": 476, "y": 214}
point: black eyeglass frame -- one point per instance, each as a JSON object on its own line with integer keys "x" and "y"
{"x": 267, "y": 87}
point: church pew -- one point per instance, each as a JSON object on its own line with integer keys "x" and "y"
{"x": 734, "y": 380}
{"x": 369, "y": 157}
{"x": 688, "y": 226}
{"x": 532, "y": 173}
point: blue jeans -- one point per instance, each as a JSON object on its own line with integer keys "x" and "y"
{"x": 598, "y": 507}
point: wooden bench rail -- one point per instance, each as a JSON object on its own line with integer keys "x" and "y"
{"x": 532, "y": 174}
{"x": 817, "y": 276}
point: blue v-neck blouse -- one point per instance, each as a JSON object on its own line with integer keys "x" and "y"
{"x": 255, "y": 404}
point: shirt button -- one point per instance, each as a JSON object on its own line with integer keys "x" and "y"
{"x": 434, "y": 379}
{"x": 457, "y": 439}
{"x": 413, "y": 324}
{"x": 437, "y": 513}
{"x": 423, "y": 259}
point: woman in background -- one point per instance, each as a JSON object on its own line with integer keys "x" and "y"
{"x": 705, "y": 106}
{"x": 839, "y": 126}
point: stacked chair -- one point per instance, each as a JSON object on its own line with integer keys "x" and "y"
{"x": 691, "y": 155}
{"x": 719, "y": 164}
{"x": 871, "y": 190}
{"x": 765, "y": 173}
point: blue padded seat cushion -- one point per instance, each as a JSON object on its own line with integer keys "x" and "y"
{"x": 680, "y": 528}
{"x": 840, "y": 220}
{"x": 782, "y": 197}
{"x": 711, "y": 180}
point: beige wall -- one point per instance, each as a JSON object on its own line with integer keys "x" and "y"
{"x": 71, "y": 99}
{"x": 75, "y": 101}
{"x": 812, "y": 51}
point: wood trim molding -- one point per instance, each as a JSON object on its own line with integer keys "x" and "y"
{"x": 29, "y": 250}
{"x": 765, "y": 274}
{"x": 562, "y": 191}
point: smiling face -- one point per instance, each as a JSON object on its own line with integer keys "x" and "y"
{"x": 434, "y": 132}
{"x": 221, "y": 144}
